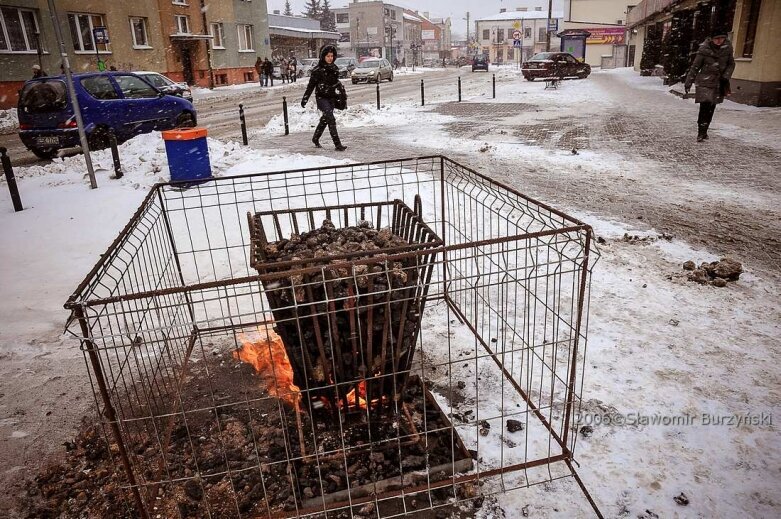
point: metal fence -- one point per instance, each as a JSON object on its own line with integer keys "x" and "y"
{"x": 209, "y": 408}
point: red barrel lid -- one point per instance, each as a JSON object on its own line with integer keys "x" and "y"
{"x": 184, "y": 134}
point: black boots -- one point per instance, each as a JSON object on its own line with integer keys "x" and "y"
{"x": 328, "y": 120}
{"x": 702, "y": 132}
{"x": 318, "y": 133}
{"x": 335, "y": 136}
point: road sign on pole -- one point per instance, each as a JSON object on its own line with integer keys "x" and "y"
{"x": 517, "y": 44}
{"x": 553, "y": 25}
{"x": 516, "y": 35}
{"x": 100, "y": 35}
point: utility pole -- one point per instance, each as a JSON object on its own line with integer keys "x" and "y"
{"x": 467, "y": 33}
{"x": 74, "y": 100}
{"x": 208, "y": 45}
{"x": 547, "y": 31}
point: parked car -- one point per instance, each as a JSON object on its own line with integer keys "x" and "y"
{"x": 118, "y": 101}
{"x": 305, "y": 66}
{"x": 346, "y": 66}
{"x": 165, "y": 85}
{"x": 554, "y": 64}
{"x": 480, "y": 63}
{"x": 373, "y": 70}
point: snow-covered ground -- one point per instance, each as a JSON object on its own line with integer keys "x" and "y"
{"x": 659, "y": 346}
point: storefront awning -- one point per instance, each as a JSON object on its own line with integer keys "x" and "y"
{"x": 297, "y": 32}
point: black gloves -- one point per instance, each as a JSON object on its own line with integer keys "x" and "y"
{"x": 303, "y": 103}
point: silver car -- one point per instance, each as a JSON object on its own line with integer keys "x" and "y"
{"x": 305, "y": 66}
{"x": 373, "y": 71}
{"x": 165, "y": 85}
{"x": 346, "y": 66}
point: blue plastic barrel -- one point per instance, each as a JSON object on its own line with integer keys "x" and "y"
{"x": 188, "y": 154}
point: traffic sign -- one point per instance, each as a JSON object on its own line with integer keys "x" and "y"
{"x": 553, "y": 25}
{"x": 517, "y": 24}
{"x": 517, "y": 43}
{"x": 516, "y": 35}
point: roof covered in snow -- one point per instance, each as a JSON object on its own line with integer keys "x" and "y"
{"x": 520, "y": 15}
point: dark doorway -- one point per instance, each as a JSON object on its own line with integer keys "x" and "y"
{"x": 187, "y": 64}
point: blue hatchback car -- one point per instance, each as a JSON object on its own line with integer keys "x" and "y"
{"x": 118, "y": 101}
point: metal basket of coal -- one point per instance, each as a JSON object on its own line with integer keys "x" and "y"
{"x": 347, "y": 296}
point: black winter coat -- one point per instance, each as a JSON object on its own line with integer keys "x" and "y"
{"x": 711, "y": 71}
{"x": 325, "y": 83}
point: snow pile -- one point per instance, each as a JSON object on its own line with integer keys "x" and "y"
{"x": 144, "y": 163}
{"x": 9, "y": 121}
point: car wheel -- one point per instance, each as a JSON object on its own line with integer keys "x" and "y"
{"x": 44, "y": 154}
{"x": 582, "y": 76}
{"x": 390, "y": 78}
{"x": 529, "y": 78}
{"x": 185, "y": 120}
{"x": 98, "y": 139}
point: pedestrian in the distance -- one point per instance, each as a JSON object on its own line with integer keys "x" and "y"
{"x": 328, "y": 90}
{"x": 283, "y": 64}
{"x": 259, "y": 70}
{"x": 293, "y": 68}
{"x": 38, "y": 71}
{"x": 268, "y": 70}
{"x": 710, "y": 72}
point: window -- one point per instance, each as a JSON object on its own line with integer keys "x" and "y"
{"x": 510, "y": 54}
{"x": 499, "y": 35}
{"x": 135, "y": 88}
{"x": 538, "y": 8}
{"x": 344, "y": 37}
{"x": 221, "y": 79}
{"x": 245, "y": 38}
{"x": 543, "y": 34}
{"x": 81, "y": 26}
{"x": 216, "y": 30}
{"x": 138, "y": 30}
{"x": 500, "y": 55}
{"x": 182, "y": 24}
{"x": 43, "y": 96}
{"x": 248, "y": 77}
{"x": 157, "y": 80}
{"x": 179, "y": 2}
{"x": 527, "y": 32}
{"x": 17, "y": 30}
{"x": 99, "y": 87}
{"x": 748, "y": 26}
{"x": 342, "y": 18}
{"x": 486, "y": 34}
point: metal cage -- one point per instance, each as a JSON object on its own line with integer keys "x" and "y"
{"x": 203, "y": 411}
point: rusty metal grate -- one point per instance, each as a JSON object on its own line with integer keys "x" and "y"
{"x": 190, "y": 332}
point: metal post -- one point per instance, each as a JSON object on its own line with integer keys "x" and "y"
{"x": 378, "y": 93}
{"x": 547, "y": 28}
{"x": 493, "y": 82}
{"x": 284, "y": 114}
{"x": 74, "y": 100}
{"x": 38, "y": 49}
{"x": 112, "y": 139}
{"x": 459, "y": 89}
{"x": 9, "y": 178}
{"x": 243, "y": 125}
{"x": 422, "y": 94}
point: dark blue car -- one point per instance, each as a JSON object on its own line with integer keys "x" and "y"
{"x": 118, "y": 101}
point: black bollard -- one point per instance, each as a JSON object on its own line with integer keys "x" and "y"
{"x": 459, "y": 89}
{"x": 422, "y": 94}
{"x": 9, "y": 178}
{"x": 284, "y": 114}
{"x": 378, "y": 94}
{"x": 112, "y": 140}
{"x": 494, "y": 85}
{"x": 243, "y": 125}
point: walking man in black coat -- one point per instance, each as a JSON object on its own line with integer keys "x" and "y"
{"x": 324, "y": 81}
{"x": 710, "y": 72}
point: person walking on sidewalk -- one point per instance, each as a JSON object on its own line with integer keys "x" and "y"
{"x": 710, "y": 72}
{"x": 259, "y": 70}
{"x": 268, "y": 72}
{"x": 328, "y": 91}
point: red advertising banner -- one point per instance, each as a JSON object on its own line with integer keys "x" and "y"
{"x": 608, "y": 35}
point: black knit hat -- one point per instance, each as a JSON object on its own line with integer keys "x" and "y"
{"x": 718, "y": 33}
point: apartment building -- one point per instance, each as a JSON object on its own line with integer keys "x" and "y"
{"x": 753, "y": 27}
{"x": 494, "y": 34}
{"x": 179, "y": 38}
{"x": 605, "y": 23}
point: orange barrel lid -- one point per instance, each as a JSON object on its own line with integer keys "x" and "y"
{"x": 184, "y": 134}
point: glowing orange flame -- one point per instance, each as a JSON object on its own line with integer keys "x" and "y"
{"x": 350, "y": 397}
{"x": 265, "y": 351}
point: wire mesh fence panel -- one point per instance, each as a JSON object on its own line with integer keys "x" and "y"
{"x": 367, "y": 339}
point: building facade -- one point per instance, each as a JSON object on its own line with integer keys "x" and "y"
{"x": 605, "y": 21}
{"x": 665, "y": 35}
{"x": 297, "y": 36}
{"x": 179, "y": 38}
{"x": 495, "y": 34}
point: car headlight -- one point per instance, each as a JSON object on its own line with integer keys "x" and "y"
{"x": 372, "y": 72}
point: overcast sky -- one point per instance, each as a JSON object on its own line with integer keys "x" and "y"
{"x": 455, "y": 9}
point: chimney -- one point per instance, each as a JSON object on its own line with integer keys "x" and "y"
{"x": 425, "y": 13}
{"x": 502, "y": 10}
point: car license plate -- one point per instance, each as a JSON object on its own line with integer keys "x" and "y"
{"x": 49, "y": 140}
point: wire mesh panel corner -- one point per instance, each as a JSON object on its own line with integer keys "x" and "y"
{"x": 377, "y": 338}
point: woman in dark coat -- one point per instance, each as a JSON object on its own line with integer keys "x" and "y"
{"x": 327, "y": 88}
{"x": 710, "y": 72}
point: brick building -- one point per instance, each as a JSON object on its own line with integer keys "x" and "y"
{"x": 179, "y": 38}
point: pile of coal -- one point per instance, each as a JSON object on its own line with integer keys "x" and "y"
{"x": 716, "y": 273}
